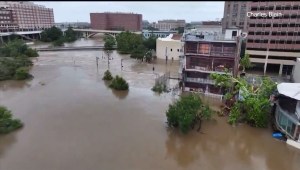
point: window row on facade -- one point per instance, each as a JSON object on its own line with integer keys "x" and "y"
{"x": 266, "y": 8}
{"x": 275, "y": 25}
{"x": 274, "y": 33}
{"x": 274, "y": 41}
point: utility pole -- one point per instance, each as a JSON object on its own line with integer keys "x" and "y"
{"x": 121, "y": 64}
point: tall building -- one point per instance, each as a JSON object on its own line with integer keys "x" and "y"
{"x": 207, "y": 53}
{"x": 6, "y": 20}
{"x": 116, "y": 21}
{"x": 167, "y": 25}
{"x": 273, "y": 41}
{"x": 235, "y": 15}
{"x": 26, "y": 15}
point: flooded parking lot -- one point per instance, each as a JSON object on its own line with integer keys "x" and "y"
{"x": 74, "y": 121}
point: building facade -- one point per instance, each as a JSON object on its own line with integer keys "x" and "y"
{"x": 116, "y": 21}
{"x": 6, "y": 20}
{"x": 169, "y": 48}
{"x": 235, "y": 15}
{"x": 80, "y": 25}
{"x": 26, "y": 15}
{"x": 205, "y": 54}
{"x": 273, "y": 41}
{"x": 167, "y": 25}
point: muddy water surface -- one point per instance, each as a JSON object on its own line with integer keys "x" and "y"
{"x": 74, "y": 121}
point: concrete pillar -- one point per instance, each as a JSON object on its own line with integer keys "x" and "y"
{"x": 266, "y": 62}
{"x": 280, "y": 69}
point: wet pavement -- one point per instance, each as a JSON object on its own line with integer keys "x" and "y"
{"x": 74, "y": 121}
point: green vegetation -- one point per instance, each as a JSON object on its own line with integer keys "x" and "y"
{"x": 107, "y": 76}
{"x": 118, "y": 83}
{"x": 253, "y": 105}
{"x": 186, "y": 112}
{"x": 159, "y": 88}
{"x": 15, "y": 60}
{"x": 245, "y": 62}
{"x": 22, "y": 73}
{"x": 7, "y": 123}
{"x": 135, "y": 45}
{"x": 55, "y": 35}
{"x": 109, "y": 42}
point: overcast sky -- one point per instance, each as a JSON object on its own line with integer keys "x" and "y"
{"x": 151, "y": 11}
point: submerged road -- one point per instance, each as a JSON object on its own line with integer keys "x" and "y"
{"x": 71, "y": 48}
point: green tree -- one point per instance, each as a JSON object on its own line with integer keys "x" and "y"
{"x": 107, "y": 75}
{"x": 22, "y": 73}
{"x": 7, "y": 123}
{"x": 118, "y": 83}
{"x": 109, "y": 42}
{"x": 186, "y": 112}
{"x": 253, "y": 106}
{"x": 14, "y": 55}
{"x": 70, "y": 35}
{"x": 58, "y": 42}
{"x": 139, "y": 52}
{"x": 245, "y": 62}
{"x": 51, "y": 34}
{"x": 150, "y": 43}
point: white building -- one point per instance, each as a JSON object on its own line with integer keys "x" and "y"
{"x": 169, "y": 47}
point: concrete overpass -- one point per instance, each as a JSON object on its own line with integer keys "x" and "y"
{"x": 72, "y": 48}
{"x": 92, "y": 32}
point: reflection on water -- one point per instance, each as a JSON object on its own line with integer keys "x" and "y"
{"x": 75, "y": 121}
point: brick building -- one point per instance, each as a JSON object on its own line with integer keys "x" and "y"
{"x": 26, "y": 15}
{"x": 273, "y": 42}
{"x": 6, "y": 20}
{"x": 116, "y": 21}
{"x": 206, "y": 54}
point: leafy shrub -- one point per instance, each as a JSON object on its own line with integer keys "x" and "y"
{"x": 31, "y": 53}
{"x": 159, "y": 88}
{"x": 22, "y": 73}
{"x": 7, "y": 124}
{"x": 107, "y": 75}
{"x": 59, "y": 42}
{"x": 118, "y": 83}
{"x": 186, "y": 112}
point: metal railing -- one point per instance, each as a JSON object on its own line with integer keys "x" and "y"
{"x": 200, "y": 80}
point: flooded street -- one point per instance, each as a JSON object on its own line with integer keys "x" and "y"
{"x": 73, "y": 120}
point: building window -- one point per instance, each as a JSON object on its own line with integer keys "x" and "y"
{"x": 177, "y": 50}
{"x": 171, "y": 49}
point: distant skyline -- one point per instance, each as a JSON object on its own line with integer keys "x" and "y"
{"x": 66, "y": 11}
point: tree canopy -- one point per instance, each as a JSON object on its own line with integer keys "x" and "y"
{"x": 186, "y": 112}
{"x": 253, "y": 103}
{"x": 14, "y": 60}
{"x": 109, "y": 42}
{"x": 51, "y": 34}
{"x": 7, "y": 123}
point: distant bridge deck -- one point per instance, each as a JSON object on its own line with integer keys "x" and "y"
{"x": 71, "y": 48}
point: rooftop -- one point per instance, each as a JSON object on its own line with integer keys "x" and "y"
{"x": 208, "y": 37}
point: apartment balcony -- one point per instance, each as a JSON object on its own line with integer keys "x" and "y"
{"x": 200, "y": 80}
{"x": 207, "y": 69}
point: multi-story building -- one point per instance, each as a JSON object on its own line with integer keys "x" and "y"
{"x": 273, "y": 41}
{"x": 167, "y": 25}
{"x": 6, "y": 20}
{"x": 170, "y": 47}
{"x": 27, "y": 15}
{"x": 235, "y": 15}
{"x": 209, "y": 53}
{"x": 116, "y": 21}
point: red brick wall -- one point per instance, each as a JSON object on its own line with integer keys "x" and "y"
{"x": 109, "y": 21}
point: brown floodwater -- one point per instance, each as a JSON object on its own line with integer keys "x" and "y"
{"x": 74, "y": 121}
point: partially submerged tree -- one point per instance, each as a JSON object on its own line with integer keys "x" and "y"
{"x": 109, "y": 42}
{"x": 186, "y": 112}
{"x": 107, "y": 76}
{"x": 248, "y": 102}
{"x": 7, "y": 123}
{"x": 118, "y": 83}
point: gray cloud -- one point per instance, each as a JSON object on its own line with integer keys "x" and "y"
{"x": 151, "y": 11}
